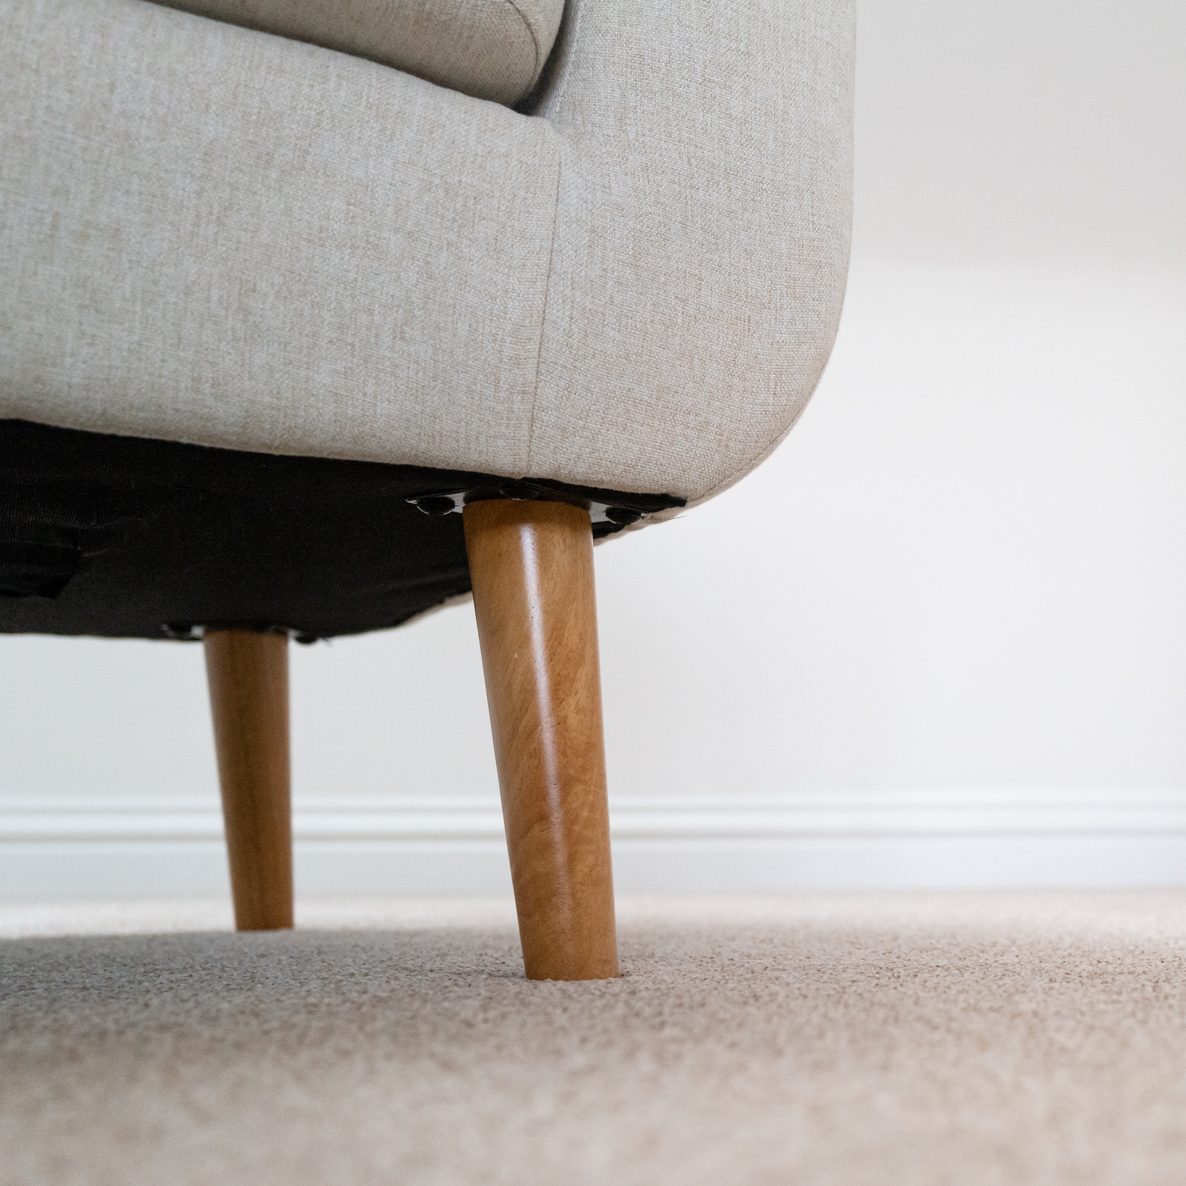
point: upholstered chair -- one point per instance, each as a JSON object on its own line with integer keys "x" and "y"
{"x": 316, "y": 314}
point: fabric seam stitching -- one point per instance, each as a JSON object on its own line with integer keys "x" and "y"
{"x": 543, "y": 321}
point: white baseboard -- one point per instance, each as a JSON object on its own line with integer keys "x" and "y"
{"x": 78, "y": 848}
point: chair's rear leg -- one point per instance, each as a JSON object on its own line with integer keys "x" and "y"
{"x": 248, "y": 676}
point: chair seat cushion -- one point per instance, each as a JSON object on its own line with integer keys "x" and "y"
{"x": 491, "y": 49}
{"x": 220, "y": 236}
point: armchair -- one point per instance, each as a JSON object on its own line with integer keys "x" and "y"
{"x": 314, "y": 316}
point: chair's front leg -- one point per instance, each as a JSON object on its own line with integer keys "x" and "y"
{"x": 248, "y": 677}
{"x": 532, "y": 569}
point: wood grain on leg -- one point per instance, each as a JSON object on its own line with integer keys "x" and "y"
{"x": 248, "y": 677}
{"x": 532, "y": 569}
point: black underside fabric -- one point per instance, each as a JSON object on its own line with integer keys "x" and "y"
{"x": 132, "y": 538}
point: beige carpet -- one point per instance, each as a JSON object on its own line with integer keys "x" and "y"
{"x": 850, "y": 1041}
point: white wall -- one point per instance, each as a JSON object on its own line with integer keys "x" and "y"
{"x": 960, "y": 584}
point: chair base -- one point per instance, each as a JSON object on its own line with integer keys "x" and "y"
{"x": 132, "y": 538}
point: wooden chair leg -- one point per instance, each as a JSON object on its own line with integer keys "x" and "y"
{"x": 532, "y": 569}
{"x": 248, "y": 676}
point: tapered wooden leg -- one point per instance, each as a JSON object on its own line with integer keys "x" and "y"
{"x": 532, "y": 569}
{"x": 248, "y": 676}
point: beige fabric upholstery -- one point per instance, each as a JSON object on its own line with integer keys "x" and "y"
{"x": 222, "y": 236}
{"x": 494, "y": 49}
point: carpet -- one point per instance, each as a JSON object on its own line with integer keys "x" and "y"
{"x": 842, "y": 1040}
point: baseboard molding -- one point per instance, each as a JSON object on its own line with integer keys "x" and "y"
{"x": 112, "y": 848}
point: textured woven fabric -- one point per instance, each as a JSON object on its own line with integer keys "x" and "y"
{"x": 494, "y": 49}
{"x": 226, "y": 237}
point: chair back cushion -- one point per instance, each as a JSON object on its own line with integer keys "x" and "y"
{"x": 492, "y": 49}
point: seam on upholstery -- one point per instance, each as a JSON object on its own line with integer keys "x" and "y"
{"x": 543, "y": 319}
{"x": 535, "y": 69}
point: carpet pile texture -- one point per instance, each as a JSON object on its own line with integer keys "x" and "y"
{"x": 900, "y": 1040}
